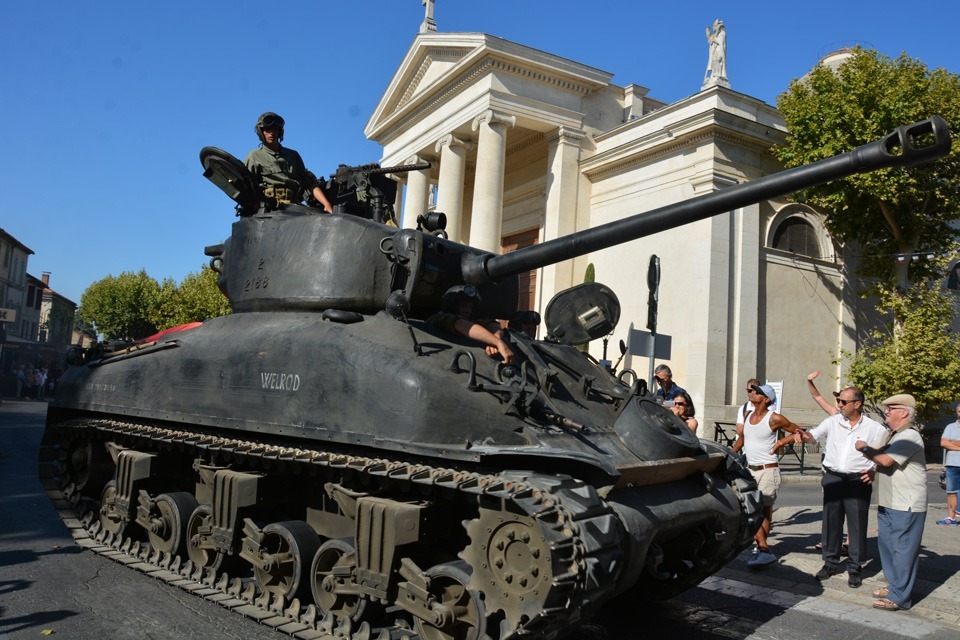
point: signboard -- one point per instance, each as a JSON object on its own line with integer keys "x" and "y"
{"x": 8, "y": 315}
{"x": 639, "y": 344}
{"x": 778, "y": 388}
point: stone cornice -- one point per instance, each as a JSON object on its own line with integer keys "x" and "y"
{"x": 712, "y": 134}
{"x": 526, "y": 143}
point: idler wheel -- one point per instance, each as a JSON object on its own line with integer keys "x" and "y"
{"x": 168, "y": 522}
{"x": 89, "y": 467}
{"x": 110, "y": 520}
{"x": 333, "y": 580}
{"x": 458, "y": 611}
{"x": 287, "y": 549}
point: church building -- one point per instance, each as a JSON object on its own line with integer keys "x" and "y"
{"x": 527, "y": 146}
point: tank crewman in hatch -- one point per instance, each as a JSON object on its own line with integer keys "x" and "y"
{"x": 279, "y": 170}
{"x": 458, "y": 306}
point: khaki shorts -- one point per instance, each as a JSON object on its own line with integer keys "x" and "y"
{"x": 768, "y": 481}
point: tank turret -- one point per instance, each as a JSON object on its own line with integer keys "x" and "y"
{"x": 328, "y": 461}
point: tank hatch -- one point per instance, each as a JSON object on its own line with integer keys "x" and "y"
{"x": 582, "y": 313}
{"x": 232, "y": 177}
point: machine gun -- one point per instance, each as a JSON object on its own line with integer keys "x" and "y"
{"x": 365, "y": 191}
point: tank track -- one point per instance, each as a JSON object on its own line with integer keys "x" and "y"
{"x": 579, "y": 530}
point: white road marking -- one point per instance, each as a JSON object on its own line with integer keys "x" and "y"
{"x": 860, "y": 615}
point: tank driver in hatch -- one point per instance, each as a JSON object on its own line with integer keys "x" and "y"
{"x": 279, "y": 170}
{"x": 458, "y": 306}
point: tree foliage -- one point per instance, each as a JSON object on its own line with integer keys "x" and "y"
{"x": 122, "y": 307}
{"x": 890, "y": 211}
{"x": 924, "y": 357}
{"x": 132, "y": 306}
{"x": 195, "y": 299}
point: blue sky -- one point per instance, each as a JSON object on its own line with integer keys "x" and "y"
{"x": 108, "y": 103}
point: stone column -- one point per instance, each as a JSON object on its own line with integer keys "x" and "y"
{"x": 416, "y": 196}
{"x": 487, "y": 214}
{"x": 560, "y": 215}
{"x": 453, "y": 167}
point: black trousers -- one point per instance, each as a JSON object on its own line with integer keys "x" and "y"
{"x": 845, "y": 497}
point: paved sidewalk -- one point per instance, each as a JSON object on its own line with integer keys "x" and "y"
{"x": 797, "y": 529}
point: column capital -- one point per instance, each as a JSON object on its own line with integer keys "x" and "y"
{"x": 417, "y": 159}
{"x": 451, "y": 140}
{"x": 492, "y": 117}
{"x": 567, "y": 135}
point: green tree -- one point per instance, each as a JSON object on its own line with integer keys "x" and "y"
{"x": 194, "y": 300}
{"x": 122, "y": 307}
{"x": 924, "y": 357}
{"x": 890, "y": 211}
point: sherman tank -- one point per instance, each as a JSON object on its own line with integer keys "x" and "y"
{"x": 327, "y": 461}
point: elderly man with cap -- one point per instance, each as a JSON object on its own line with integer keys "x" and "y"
{"x": 846, "y": 492}
{"x": 901, "y": 477}
{"x": 757, "y": 436}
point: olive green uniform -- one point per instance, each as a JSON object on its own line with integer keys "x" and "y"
{"x": 281, "y": 174}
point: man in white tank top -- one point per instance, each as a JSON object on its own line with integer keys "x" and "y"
{"x": 757, "y": 436}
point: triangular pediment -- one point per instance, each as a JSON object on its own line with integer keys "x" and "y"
{"x": 438, "y": 65}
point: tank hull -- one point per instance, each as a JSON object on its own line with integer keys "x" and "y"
{"x": 266, "y": 430}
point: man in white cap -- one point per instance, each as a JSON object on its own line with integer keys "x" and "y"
{"x": 757, "y": 436}
{"x": 901, "y": 476}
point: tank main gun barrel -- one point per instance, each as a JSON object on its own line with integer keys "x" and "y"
{"x": 908, "y": 145}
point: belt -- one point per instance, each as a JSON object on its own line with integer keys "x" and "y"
{"x": 844, "y": 476}
{"x": 758, "y": 467}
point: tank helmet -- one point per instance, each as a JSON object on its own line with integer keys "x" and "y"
{"x": 453, "y": 296}
{"x": 269, "y": 119}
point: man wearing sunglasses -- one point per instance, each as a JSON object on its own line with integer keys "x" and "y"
{"x": 901, "y": 474}
{"x": 846, "y": 487}
{"x": 669, "y": 389}
{"x": 278, "y": 170}
{"x": 757, "y": 436}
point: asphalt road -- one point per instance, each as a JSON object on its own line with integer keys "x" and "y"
{"x": 49, "y": 583}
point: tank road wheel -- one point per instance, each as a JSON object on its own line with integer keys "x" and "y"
{"x": 459, "y": 613}
{"x": 109, "y": 519}
{"x": 168, "y": 522}
{"x": 202, "y": 516}
{"x": 333, "y": 580}
{"x": 288, "y": 549}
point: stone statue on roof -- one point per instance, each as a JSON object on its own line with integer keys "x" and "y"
{"x": 717, "y": 64}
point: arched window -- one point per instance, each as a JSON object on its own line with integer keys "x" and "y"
{"x": 796, "y": 235}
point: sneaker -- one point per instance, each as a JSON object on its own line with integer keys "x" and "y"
{"x": 826, "y": 571}
{"x": 950, "y": 522}
{"x": 854, "y": 580}
{"x": 762, "y": 558}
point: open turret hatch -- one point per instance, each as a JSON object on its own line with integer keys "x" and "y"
{"x": 232, "y": 177}
{"x": 582, "y": 313}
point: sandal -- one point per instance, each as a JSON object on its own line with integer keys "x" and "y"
{"x": 886, "y": 605}
{"x": 881, "y": 592}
